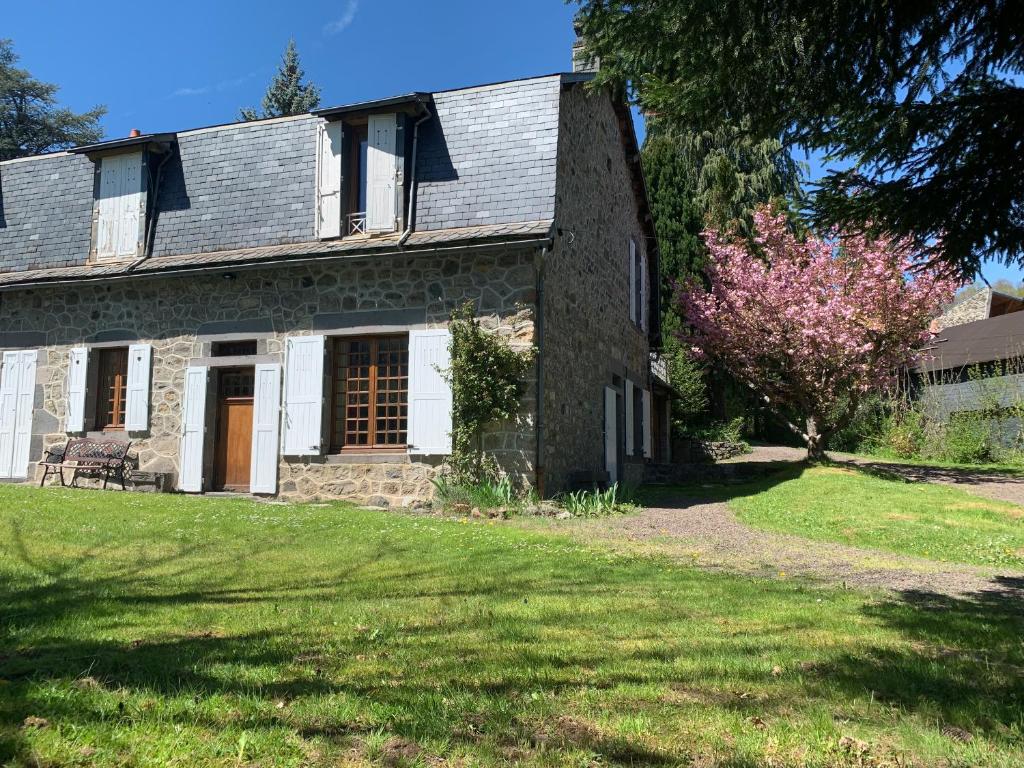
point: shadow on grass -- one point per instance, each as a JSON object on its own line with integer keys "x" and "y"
{"x": 965, "y": 659}
{"x": 923, "y": 473}
{"x": 768, "y": 474}
{"x": 961, "y": 661}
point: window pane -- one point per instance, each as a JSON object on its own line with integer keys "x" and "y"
{"x": 370, "y": 392}
{"x": 112, "y": 388}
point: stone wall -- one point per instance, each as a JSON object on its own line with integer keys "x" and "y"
{"x": 973, "y": 308}
{"x": 178, "y": 316}
{"x": 590, "y": 341}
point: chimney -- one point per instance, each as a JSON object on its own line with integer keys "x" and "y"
{"x": 134, "y": 133}
{"x": 580, "y": 61}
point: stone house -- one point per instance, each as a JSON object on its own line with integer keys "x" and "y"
{"x": 262, "y": 307}
{"x": 979, "y": 305}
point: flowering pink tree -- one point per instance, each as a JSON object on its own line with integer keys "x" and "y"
{"x": 811, "y": 326}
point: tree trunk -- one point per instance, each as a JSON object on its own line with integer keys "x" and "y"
{"x": 815, "y": 442}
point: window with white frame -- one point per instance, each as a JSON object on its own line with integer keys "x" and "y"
{"x": 638, "y": 289}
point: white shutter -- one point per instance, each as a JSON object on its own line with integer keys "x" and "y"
{"x": 108, "y": 212}
{"x": 120, "y": 206}
{"x": 611, "y": 442}
{"x": 430, "y": 396}
{"x": 629, "y": 418}
{"x": 17, "y": 393}
{"x": 136, "y": 417}
{"x": 131, "y": 206}
{"x": 329, "y": 179}
{"x": 266, "y": 419}
{"x": 304, "y": 396}
{"x": 193, "y": 430}
{"x": 381, "y": 172}
{"x": 647, "y": 424}
{"x": 643, "y": 292}
{"x": 632, "y": 280}
{"x": 10, "y": 375}
{"x": 78, "y": 366}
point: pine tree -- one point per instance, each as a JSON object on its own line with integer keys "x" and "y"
{"x": 698, "y": 180}
{"x": 287, "y": 94}
{"x": 919, "y": 103}
{"x": 30, "y": 120}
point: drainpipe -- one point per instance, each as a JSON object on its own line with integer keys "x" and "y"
{"x": 538, "y": 469}
{"x": 150, "y": 234}
{"x": 410, "y": 210}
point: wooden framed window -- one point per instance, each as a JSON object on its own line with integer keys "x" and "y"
{"x": 370, "y": 393}
{"x": 112, "y": 388}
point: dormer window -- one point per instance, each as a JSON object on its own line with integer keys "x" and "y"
{"x": 120, "y": 210}
{"x": 125, "y": 171}
{"x": 362, "y": 171}
{"x": 359, "y": 175}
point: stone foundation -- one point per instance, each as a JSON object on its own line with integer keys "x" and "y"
{"x": 379, "y": 484}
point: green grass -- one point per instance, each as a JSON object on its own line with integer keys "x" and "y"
{"x": 152, "y": 630}
{"x": 1013, "y": 469}
{"x": 862, "y": 509}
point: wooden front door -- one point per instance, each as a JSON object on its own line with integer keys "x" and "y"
{"x": 234, "y": 430}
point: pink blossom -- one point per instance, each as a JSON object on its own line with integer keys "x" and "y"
{"x": 812, "y": 325}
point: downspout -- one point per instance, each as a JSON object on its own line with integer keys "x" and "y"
{"x": 150, "y": 234}
{"x": 410, "y": 209}
{"x": 538, "y": 468}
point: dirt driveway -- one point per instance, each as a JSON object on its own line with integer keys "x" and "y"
{"x": 707, "y": 534}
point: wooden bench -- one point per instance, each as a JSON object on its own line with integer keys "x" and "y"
{"x": 89, "y": 457}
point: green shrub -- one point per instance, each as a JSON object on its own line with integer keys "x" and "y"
{"x": 909, "y": 430}
{"x": 614, "y": 501}
{"x": 487, "y": 377}
{"x": 967, "y": 438}
{"x": 904, "y": 434}
{"x": 868, "y": 423}
{"x": 487, "y": 494}
{"x": 723, "y": 432}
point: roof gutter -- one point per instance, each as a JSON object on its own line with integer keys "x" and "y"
{"x": 411, "y": 209}
{"x": 278, "y": 262}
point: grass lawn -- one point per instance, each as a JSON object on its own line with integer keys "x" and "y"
{"x": 141, "y": 630}
{"x": 1004, "y": 468}
{"x": 861, "y": 509}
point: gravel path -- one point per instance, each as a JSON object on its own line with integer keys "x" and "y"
{"x": 710, "y": 536}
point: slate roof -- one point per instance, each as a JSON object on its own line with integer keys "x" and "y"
{"x": 983, "y": 341}
{"x": 488, "y": 158}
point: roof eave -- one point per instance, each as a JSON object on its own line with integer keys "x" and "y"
{"x": 537, "y": 235}
{"x": 119, "y": 145}
{"x": 413, "y": 103}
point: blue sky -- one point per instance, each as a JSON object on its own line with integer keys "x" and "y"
{"x": 191, "y": 63}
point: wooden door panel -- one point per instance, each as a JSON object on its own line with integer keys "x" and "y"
{"x": 234, "y": 444}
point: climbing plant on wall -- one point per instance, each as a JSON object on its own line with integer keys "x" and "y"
{"x": 487, "y": 377}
